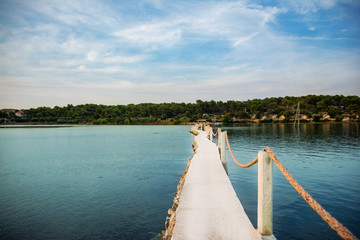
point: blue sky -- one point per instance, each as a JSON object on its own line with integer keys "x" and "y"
{"x": 119, "y": 52}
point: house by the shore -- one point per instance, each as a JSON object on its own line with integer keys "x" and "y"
{"x": 17, "y": 112}
{"x": 282, "y": 118}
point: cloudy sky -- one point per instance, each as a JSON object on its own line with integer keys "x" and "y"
{"x": 120, "y": 52}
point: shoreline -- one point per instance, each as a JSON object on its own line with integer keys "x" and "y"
{"x": 250, "y": 122}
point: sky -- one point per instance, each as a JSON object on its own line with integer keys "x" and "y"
{"x": 120, "y": 52}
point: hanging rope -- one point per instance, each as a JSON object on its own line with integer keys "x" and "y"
{"x": 333, "y": 223}
{"x": 217, "y": 131}
{"x": 232, "y": 155}
{"x": 341, "y": 230}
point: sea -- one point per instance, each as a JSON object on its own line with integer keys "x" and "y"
{"x": 118, "y": 182}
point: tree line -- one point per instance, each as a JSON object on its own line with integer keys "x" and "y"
{"x": 336, "y": 106}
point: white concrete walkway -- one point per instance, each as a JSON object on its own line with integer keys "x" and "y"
{"x": 209, "y": 207}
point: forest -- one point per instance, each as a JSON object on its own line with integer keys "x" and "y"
{"x": 313, "y": 106}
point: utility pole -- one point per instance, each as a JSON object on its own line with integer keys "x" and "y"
{"x": 297, "y": 115}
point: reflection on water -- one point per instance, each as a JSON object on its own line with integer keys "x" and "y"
{"x": 325, "y": 160}
{"x": 323, "y": 130}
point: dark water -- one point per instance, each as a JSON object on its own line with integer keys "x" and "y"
{"x": 117, "y": 182}
{"x": 324, "y": 159}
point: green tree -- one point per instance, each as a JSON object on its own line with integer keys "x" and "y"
{"x": 288, "y": 114}
{"x": 226, "y": 118}
{"x": 3, "y": 115}
{"x": 333, "y": 111}
{"x": 316, "y": 118}
{"x": 321, "y": 106}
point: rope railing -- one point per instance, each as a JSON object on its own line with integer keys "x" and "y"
{"x": 341, "y": 230}
{"x": 232, "y": 155}
{"x": 217, "y": 131}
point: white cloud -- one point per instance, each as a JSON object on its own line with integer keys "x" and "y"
{"x": 311, "y": 38}
{"x": 224, "y": 21}
{"x": 73, "y": 13}
{"x": 91, "y": 56}
{"x": 309, "y": 6}
{"x": 119, "y": 85}
{"x": 245, "y": 39}
{"x": 233, "y": 68}
{"x": 74, "y": 45}
{"x": 108, "y": 71}
{"x": 232, "y": 21}
{"x": 113, "y": 58}
{"x": 82, "y": 68}
{"x": 109, "y": 58}
{"x": 157, "y": 34}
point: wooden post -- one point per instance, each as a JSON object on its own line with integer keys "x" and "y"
{"x": 211, "y": 133}
{"x": 265, "y": 191}
{"x": 222, "y": 149}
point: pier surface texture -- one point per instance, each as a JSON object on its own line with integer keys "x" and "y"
{"x": 209, "y": 207}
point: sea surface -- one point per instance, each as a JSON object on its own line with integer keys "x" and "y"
{"x": 323, "y": 158}
{"x": 117, "y": 182}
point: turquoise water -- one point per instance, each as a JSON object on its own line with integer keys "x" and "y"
{"x": 117, "y": 182}
{"x": 98, "y": 182}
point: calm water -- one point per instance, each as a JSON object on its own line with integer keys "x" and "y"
{"x": 325, "y": 160}
{"x": 117, "y": 182}
{"x": 98, "y": 182}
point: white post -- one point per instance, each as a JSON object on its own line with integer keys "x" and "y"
{"x": 211, "y": 133}
{"x": 222, "y": 149}
{"x": 265, "y": 190}
{"x": 219, "y": 138}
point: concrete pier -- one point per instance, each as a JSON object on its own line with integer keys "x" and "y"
{"x": 208, "y": 206}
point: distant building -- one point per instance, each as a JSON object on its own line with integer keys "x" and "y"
{"x": 216, "y": 120}
{"x": 326, "y": 116}
{"x": 8, "y": 110}
{"x": 274, "y": 117}
{"x": 304, "y": 117}
{"x": 19, "y": 113}
{"x": 201, "y": 120}
{"x": 282, "y": 118}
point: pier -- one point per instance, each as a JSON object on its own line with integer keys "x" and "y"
{"x": 206, "y": 205}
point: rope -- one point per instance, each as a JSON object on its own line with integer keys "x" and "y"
{"x": 217, "y": 131}
{"x": 333, "y": 223}
{"x": 232, "y": 155}
{"x": 341, "y": 230}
